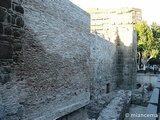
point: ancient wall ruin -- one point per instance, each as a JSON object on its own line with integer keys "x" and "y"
{"x": 127, "y": 53}
{"x": 103, "y": 74}
{"x": 11, "y": 31}
{"x": 113, "y": 68}
{"x": 52, "y": 67}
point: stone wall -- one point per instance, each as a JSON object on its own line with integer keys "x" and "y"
{"x": 55, "y": 59}
{"x": 126, "y": 43}
{"x": 117, "y": 108}
{"x": 52, "y": 74}
{"x": 127, "y": 54}
{"x": 79, "y": 114}
{"x": 146, "y": 78}
{"x": 55, "y": 68}
{"x": 113, "y": 68}
{"x": 11, "y": 31}
{"x": 103, "y": 74}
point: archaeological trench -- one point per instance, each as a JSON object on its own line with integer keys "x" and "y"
{"x": 53, "y": 68}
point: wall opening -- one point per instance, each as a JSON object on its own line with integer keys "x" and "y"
{"x": 107, "y": 88}
{"x": 138, "y": 86}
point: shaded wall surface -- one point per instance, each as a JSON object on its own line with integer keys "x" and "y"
{"x": 56, "y": 55}
{"x": 103, "y": 74}
{"x": 53, "y": 68}
{"x": 11, "y": 31}
{"x": 127, "y": 50}
{"x": 112, "y": 65}
{"x": 51, "y": 76}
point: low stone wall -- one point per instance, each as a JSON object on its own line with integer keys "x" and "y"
{"x": 154, "y": 102}
{"x": 142, "y": 95}
{"x": 140, "y": 99}
{"x": 80, "y": 114}
{"x": 117, "y": 107}
{"x": 147, "y": 78}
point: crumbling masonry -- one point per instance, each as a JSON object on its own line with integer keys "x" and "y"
{"x": 52, "y": 67}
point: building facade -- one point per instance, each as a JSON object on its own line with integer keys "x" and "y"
{"x": 104, "y": 19}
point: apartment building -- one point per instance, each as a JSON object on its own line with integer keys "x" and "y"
{"x": 104, "y": 19}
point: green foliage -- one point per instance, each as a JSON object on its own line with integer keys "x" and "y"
{"x": 147, "y": 44}
{"x": 156, "y": 35}
{"x": 156, "y": 31}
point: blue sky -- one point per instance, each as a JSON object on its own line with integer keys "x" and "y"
{"x": 150, "y": 8}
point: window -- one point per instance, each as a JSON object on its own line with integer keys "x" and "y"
{"x": 138, "y": 12}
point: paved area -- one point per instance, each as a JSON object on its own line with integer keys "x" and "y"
{"x": 135, "y": 111}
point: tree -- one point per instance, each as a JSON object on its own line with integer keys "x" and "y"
{"x": 156, "y": 35}
{"x": 156, "y": 31}
{"x": 147, "y": 47}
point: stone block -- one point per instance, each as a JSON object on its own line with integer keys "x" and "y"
{"x": 9, "y": 18}
{"x": 1, "y": 28}
{"x": 6, "y": 38}
{"x": 17, "y": 1}
{"x": 154, "y": 98}
{"x": 5, "y": 3}
{"x": 19, "y": 9}
{"x": 2, "y": 15}
{"x": 152, "y": 109}
{"x": 13, "y": 6}
{"x": 16, "y": 33}
{"x": 6, "y": 51}
{"x": 15, "y": 57}
{"x": 20, "y": 112}
{"x": 6, "y": 69}
{"x": 12, "y": 20}
{"x": 2, "y": 112}
{"x": 4, "y": 78}
{"x": 116, "y": 108}
{"x": 17, "y": 46}
{"x": 19, "y": 22}
{"x": 8, "y": 30}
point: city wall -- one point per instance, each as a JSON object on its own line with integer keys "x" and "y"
{"x": 52, "y": 67}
